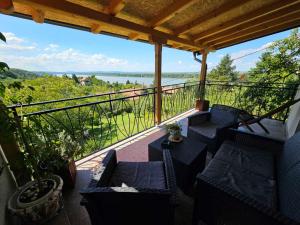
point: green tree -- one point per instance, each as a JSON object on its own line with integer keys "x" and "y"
{"x": 225, "y": 70}
{"x": 279, "y": 65}
{"x": 75, "y": 78}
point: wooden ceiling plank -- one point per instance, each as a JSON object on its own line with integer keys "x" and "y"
{"x": 38, "y": 15}
{"x": 275, "y": 19}
{"x": 115, "y": 6}
{"x": 73, "y": 10}
{"x": 200, "y": 20}
{"x": 275, "y": 29}
{"x": 169, "y": 12}
{"x": 272, "y": 7}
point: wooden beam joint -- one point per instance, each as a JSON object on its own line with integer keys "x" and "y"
{"x": 38, "y": 15}
{"x": 6, "y": 6}
{"x": 96, "y": 28}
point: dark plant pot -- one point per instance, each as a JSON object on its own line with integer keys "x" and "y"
{"x": 68, "y": 174}
{"x": 202, "y": 105}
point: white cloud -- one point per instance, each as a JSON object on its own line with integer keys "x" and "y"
{"x": 11, "y": 37}
{"x": 15, "y": 43}
{"x": 244, "y": 59}
{"x": 51, "y": 47}
{"x": 179, "y": 62}
{"x": 19, "y": 53}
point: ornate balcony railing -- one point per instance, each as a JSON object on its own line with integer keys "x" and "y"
{"x": 98, "y": 121}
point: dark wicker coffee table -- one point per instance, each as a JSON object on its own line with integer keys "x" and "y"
{"x": 188, "y": 158}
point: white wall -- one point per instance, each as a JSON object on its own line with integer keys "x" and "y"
{"x": 7, "y": 188}
{"x": 293, "y": 119}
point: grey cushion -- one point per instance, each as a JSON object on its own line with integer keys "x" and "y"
{"x": 254, "y": 160}
{"x": 244, "y": 181}
{"x": 139, "y": 174}
{"x": 207, "y": 129}
{"x": 223, "y": 115}
{"x": 289, "y": 178}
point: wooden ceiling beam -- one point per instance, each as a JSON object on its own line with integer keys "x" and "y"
{"x": 169, "y": 12}
{"x": 73, "y": 10}
{"x": 6, "y": 6}
{"x": 133, "y": 36}
{"x": 271, "y": 30}
{"x": 96, "y": 28}
{"x": 202, "y": 19}
{"x": 258, "y": 28}
{"x": 114, "y": 7}
{"x": 277, "y": 18}
{"x": 265, "y": 10}
{"x": 38, "y": 15}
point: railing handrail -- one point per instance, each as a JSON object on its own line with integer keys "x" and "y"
{"x": 93, "y": 96}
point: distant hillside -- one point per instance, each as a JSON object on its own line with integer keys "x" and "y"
{"x": 123, "y": 74}
{"x": 17, "y": 74}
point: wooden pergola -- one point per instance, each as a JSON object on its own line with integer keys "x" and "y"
{"x": 197, "y": 26}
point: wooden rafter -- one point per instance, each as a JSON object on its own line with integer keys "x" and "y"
{"x": 92, "y": 16}
{"x": 258, "y": 28}
{"x": 133, "y": 36}
{"x": 169, "y": 12}
{"x": 115, "y": 6}
{"x": 96, "y": 28}
{"x": 271, "y": 30}
{"x": 200, "y": 20}
{"x": 265, "y": 10}
{"x": 6, "y": 6}
{"x": 277, "y": 18}
{"x": 38, "y": 15}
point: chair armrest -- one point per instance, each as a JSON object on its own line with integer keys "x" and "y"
{"x": 252, "y": 140}
{"x": 198, "y": 118}
{"x": 118, "y": 194}
{"x": 228, "y": 206}
{"x": 170, "y": 174}
{"x": 105, "y": 170}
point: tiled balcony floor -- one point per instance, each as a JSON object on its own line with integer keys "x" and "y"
{"x": 134, "y": 149}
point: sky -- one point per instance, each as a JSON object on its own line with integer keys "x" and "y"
{"x": 45, "y": 47}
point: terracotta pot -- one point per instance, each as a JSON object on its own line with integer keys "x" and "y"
{"x": 68, "y": 174}
{"x": 202, "y": 105}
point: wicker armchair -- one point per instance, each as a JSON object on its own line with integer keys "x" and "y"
{"x": 209, "y": 127}
{"x": 131, "y": 192}
{"x": 251, "y": 180}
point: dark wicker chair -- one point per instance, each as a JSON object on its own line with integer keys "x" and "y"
{"x": 209, "y": 126}
{"x": 251, "y": 180}
{"x": 131, "y": 192}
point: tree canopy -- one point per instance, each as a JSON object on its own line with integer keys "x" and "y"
{"x": 224, "y": 71}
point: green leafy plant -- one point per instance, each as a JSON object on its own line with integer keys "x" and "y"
{"x": 173, "y": 127}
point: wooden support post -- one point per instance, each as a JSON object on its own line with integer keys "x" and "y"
{"x": 158, "y": 51}
{"x": 201, "y": 103}
{"x": 203, "y": 75}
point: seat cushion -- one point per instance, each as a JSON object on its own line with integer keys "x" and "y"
{"x": 243, "y": 181}
{"x": 139, "y": 174}
{"x": 254, "y": 160}
{"x": 206, "y": 129}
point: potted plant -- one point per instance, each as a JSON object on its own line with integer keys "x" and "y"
{"x": 201, "y": 104}
{"x": 40, "y": 198}
{"x": 174, "y": 129}
{"x": 60, "y": 156}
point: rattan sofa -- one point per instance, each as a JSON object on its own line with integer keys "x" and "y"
{"x": 131, "y": 192}
{"x": 251, "y": 180}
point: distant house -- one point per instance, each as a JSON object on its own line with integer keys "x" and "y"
{"x": 84, "y": 81}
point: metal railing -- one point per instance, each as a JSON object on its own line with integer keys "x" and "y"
{"x": 98, "y": 121}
